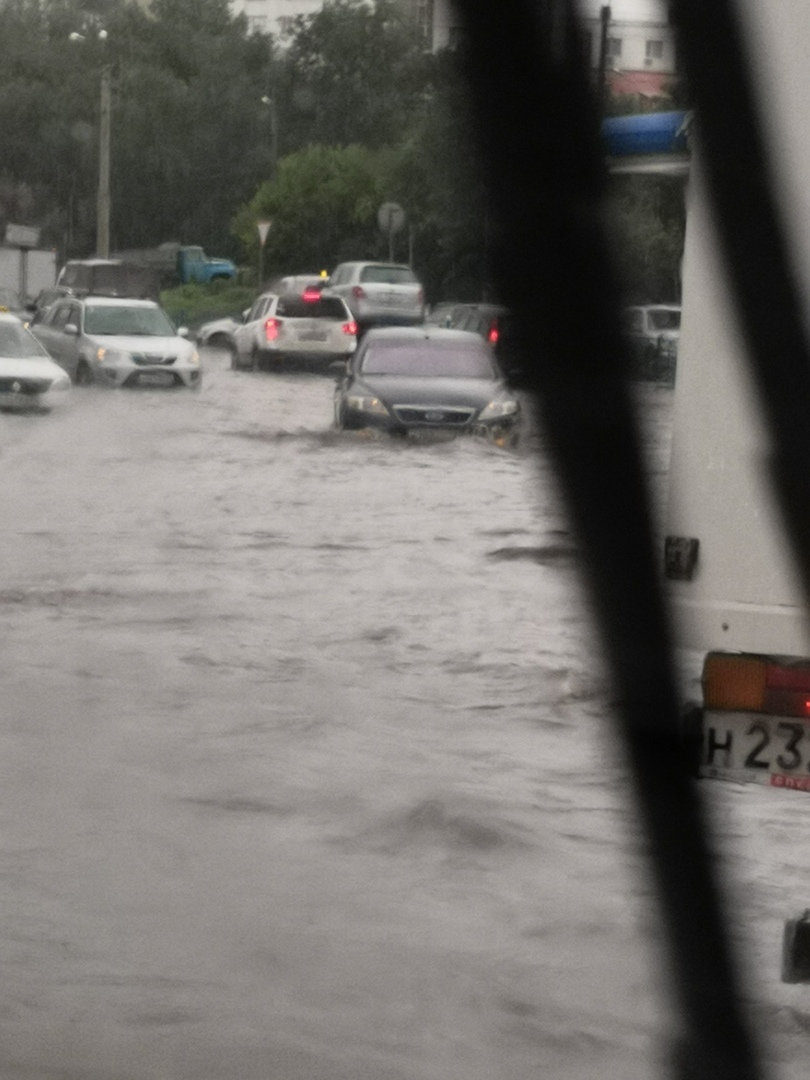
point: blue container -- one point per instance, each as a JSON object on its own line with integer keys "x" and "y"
{"x": 646, "y": 133}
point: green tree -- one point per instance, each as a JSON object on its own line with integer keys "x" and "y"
{"x": 647, "y": 220}
{"x": 322, "y": 204}
{"x": 355, "y": 72}
{"x": 189, "y": 140}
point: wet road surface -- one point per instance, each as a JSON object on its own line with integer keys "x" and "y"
{"x": 307, "y": 768}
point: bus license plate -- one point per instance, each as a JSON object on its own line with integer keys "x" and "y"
{"x": 755, "y": 748}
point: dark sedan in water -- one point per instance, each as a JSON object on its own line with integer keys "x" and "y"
{"x": 408, "y": 379}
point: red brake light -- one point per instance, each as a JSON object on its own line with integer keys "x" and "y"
{"x": 350, "y": 328}
{"x": 271, "y": 329}
{"x": 358, "y": 292}
{"x": 311, "y": 294}
{"x": 492, "y": 336}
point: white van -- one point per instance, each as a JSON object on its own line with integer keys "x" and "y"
{"x": 733, "y": 579}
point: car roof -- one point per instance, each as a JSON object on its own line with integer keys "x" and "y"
{"x": 114, "y": 301}
{"x": 94, "y": 262}
{"x": 423, "y": 332}
{"x": 376, "y": 262}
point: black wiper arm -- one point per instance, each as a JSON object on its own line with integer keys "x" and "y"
{"x": 538, "y": 134}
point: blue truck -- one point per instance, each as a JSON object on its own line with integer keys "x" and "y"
{"x": 180, "y": 264}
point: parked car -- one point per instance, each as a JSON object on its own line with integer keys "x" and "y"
{"x": 379, "y": 294}
{"x": 218, "y": 333}
{"x": 117, "y": 342}
{"x": 29, "y": 379}
{"x": 494, "y": 323}
{"x": 47, "y": 298}
{"x": 406, "y": 379}
{"x": 298, "y": 282}
{"x": 109, "y": 277}
{"x": 311, "y": 328}
{"x": 653, "y": 331}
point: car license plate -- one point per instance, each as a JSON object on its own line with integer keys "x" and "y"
{"x": 756, "y": 748}
{"x": 156, "y": 378}
{"x": 312, "y": 335}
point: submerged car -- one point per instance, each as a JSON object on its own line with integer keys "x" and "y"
{"x": 119, "y": 342}
{"x": 309, "y": 329}
{"x": 380, "y": 294}
{"x": 218, "y": 333}
{"x": 29, "y": 379}
{"x": 410, "y": 379}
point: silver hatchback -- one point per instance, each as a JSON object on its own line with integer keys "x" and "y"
{"x": 119, "y": 342}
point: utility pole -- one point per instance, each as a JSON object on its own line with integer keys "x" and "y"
{"x": 601, "y": 70}
{"x": 103, "y": 205}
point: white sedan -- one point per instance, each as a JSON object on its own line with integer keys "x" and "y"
{"x": 29, "y": 379}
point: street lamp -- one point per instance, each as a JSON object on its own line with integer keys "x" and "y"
{"x": 103, "y": 198}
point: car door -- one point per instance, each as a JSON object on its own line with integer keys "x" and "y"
{"x": 246, "y": 336}
{"x": 61, "y": 344}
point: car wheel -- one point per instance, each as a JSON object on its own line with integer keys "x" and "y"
{"x": 84, "y": 376}
{"x": 255, "y": 359}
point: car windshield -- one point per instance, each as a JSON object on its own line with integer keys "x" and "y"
{"x": 114, "y": 320}
{"x": 16, "y": 342}
{"x": 324, "y": 307}
{"x": 665, "y": 319}
{"x": 458, "y": 360}
{"x": 388, "y": 275}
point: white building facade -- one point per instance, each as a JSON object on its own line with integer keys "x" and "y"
{"x": 272, "y": 16}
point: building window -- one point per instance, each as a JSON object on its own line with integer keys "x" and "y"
{"x": 614, "y": 46}
{"x": 654, "y": 50}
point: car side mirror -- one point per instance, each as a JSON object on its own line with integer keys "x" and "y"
{"x": 182, "y": 331}
{"x": 72, "y": 328}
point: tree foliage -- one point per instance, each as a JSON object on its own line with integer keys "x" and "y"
{"x": 187, "y": 124}
{"x": 215, "y": 128}
{"x": 322, "y": 205}
{"x": 353, "y": 72}
{"x": 647, "y": 221}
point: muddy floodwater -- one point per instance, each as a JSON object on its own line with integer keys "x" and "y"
{"x": 307, "y": 763}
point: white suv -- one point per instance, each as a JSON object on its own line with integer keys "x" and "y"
{"x": 380, "y": 294}
{"x": 311, "y": 329}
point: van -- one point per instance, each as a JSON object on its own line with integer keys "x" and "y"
{"x": 732, "y": 576}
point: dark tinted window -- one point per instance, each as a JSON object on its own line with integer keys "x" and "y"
{"x": 58, "y": 316}
{"x": 453, "y": 359}
{"x": 388, "y": 275}
{"x": 295, "y": 307}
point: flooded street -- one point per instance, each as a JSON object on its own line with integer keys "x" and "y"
{"x": 307, "y": 771}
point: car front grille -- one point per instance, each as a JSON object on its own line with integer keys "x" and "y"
{"x": 148, "y": 359}
{"x": 24, "y": 385}
{"x": 440, "y": 415}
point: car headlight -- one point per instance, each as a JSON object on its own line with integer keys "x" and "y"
{"x": 366, "y": 404}
{"x": 112, "y": 356}
{"x": 499, "y": 407}
{"x": 193, "y": 357}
